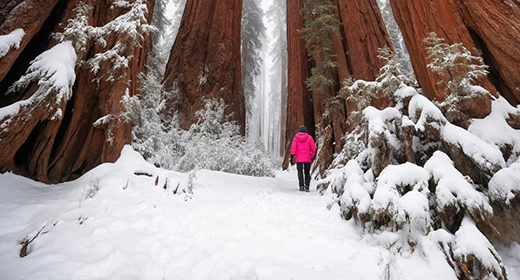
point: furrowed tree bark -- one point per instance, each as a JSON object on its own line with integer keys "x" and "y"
{"x": 299, "y": 99}
{"x": 53, "y": 151}
{"x": 205, "y": 61}
{"x": 485, "y": 26}
{"x": 495, "y": 28}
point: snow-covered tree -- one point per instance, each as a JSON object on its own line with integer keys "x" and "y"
{"x": 455, "y": 64}
{"x": 164, "y": 38}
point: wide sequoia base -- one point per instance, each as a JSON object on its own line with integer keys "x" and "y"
{"x": 59, "y": 150}
{"x": 205, "y": 61}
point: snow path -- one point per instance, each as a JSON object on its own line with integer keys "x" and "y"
{"x": 232, "y": 227}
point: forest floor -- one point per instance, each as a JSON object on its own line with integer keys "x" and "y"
{"x": 231, "y": 227}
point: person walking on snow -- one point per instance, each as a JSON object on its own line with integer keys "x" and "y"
{"x": 304, "y": 149}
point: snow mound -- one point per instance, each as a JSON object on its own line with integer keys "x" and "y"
{"x": 505, "y": 184}
{"x": 89, "y": 223}
{"x": 11, "y": 41}
{"x": 495, "y": 130}
{"x": 453, "y": 189}
{"x": 401, "y": 197}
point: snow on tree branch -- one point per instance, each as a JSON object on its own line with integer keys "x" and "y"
{"x": 11, "y": 41}
{"x": 54, "y": 72}
{"x": 130, "y": 28}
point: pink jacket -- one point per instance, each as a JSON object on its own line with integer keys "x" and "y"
{"x": 303, "y": 147}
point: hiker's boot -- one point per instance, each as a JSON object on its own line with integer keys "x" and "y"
{"x": 302, "y": 188}
{"x": 307, "y": 188}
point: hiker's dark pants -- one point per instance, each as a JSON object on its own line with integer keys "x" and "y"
{"x": 304, "y": 166}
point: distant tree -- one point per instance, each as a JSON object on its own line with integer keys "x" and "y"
{"x": 277, "y": 17}
{"x": 253, "y": 34}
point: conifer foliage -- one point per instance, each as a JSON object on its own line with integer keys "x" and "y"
{"x": 320, "y": 23}
{"x": 455, "y": 64}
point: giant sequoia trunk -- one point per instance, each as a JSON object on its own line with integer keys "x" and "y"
{"x": 361, "y": 34}
{"x": 34, "y": 143}
{"x": 491, "y": 27}
{"x": 205, "y": 61}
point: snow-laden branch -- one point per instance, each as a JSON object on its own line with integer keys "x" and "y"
{"x": 11, "y": 41}
{"x": 53, "y": 70}
{"x": 129, "y": 28}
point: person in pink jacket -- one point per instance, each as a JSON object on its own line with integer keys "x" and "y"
{"x": 304, "y": 149}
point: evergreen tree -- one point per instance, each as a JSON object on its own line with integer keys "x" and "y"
{"x": 455, "y": 64}
{"x": 130, "y": 28}
{"x": 276, "y": 15}
{"x": 320, "y": 23}
{"x": 253, "y": 34}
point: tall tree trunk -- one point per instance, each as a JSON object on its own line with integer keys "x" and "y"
{"x": 205, "y": 61}
{"x": 55, "y": 150}
{"x": 299, "y": 99}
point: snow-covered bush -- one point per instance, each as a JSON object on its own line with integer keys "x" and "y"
{"x": 391, "y": 77}
{"x": 389, "y": 80}
{"x": 159, "y": 143}
{"x": 214, "y": 142}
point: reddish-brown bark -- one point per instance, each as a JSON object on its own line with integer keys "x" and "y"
{"x": 491, "y": 27}
{"x": 364, "y": 33}
{"x": 495, "y": 28}
{"x": 29, "y": 15}
{"x": 59, "y": 150}
{"x": 205, "y": 61}
{"x": 299, "y": 99}
{"x": 361, "y": 33}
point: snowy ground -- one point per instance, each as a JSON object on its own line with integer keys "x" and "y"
{"x": 231, "y": 227}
